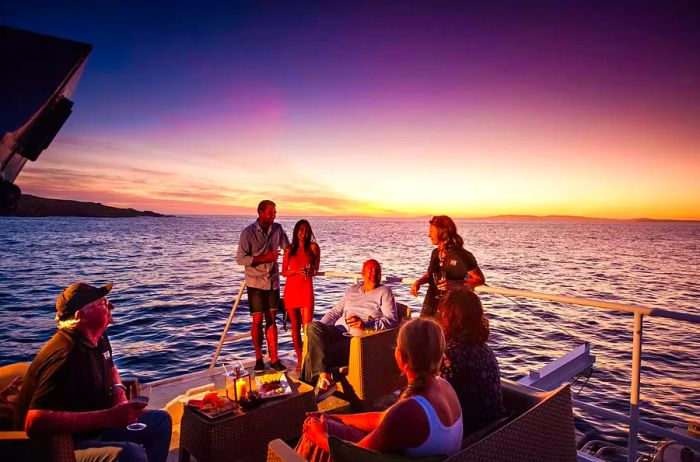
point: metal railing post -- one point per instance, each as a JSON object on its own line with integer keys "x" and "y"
{"x": 632, "y": 441}
{"x": 227, "y": 327}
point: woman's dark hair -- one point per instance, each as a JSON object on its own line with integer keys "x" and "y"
{"x": 462, "y": 317}
{"x": 307, "y": 242}
{"x": 421, "y": 345}
{"x": 447, "y": 231}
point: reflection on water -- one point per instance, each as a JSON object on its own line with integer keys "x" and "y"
{"x": 175, "y": 280}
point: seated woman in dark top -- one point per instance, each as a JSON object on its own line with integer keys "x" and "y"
{"x": 469, "y": 364}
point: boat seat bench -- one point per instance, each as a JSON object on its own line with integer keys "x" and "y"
{"x": 540, "y": 428}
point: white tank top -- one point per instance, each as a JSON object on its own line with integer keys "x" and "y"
{"x": 441, "y": 439}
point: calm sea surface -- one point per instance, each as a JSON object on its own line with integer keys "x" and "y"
{"x": 176, "y": 278}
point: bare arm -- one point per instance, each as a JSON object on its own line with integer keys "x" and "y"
{"x": 268, "y": 257}
{"x": 419, "y": 282}
{"x": 119, "y": 393}
{"x": 316, "y": 250}
{"x": 392, "y": 435}
{"x": 316, "y": 429}
{"x": 477, "y": 278}
{"x": 365, "y": 421}
{"x": 43, "y": 423}
{"x": 286, "y": 271}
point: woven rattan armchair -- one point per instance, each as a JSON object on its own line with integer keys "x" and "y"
{"x": 372, "y": 372}
{"x": 540, "y": 429}
{"x": 17, "y": 446}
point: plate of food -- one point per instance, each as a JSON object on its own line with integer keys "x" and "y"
{"x": 212, "y": 405}
{"x": 273, "y": 385}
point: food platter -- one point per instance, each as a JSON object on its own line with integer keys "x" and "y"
{"x": 273, "y": 385}
{"x": 212, "y": 405}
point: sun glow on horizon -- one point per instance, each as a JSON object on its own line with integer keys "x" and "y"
{"x": 483, "y": 178}
{"x": 400, "y": 112}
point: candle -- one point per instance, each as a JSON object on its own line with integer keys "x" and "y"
{"x": 241, "y": 388}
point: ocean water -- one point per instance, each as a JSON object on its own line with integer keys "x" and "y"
{"x": 175, "y": 280}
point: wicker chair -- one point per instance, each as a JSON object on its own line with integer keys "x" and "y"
{"x": 540, "y": 428}
{"x": 17, "y": 446}
{"x": 372, "y": 372}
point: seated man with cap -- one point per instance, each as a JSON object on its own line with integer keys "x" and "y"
{"x": 73, "y": 386}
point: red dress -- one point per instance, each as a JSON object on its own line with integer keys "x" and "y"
{"x": 299, "y": 289}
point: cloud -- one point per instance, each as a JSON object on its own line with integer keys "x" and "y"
{"x": 172, "y": 193}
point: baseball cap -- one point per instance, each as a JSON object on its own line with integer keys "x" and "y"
{"x": 76, "y": 296}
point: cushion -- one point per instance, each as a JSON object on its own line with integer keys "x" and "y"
{"x": 8, "y": 400}
{"x": 345, "y": 451}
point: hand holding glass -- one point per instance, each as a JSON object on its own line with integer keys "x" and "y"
{"x": 348, "y": 318}
{"x": 440, "y": 281}
{"x": 142, "y": 400}
{"x": 306, "y": 271}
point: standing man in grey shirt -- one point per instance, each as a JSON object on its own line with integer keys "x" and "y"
{"x": 258, "y": 250}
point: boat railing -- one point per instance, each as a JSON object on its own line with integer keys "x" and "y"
{"x": 635, "y": 424}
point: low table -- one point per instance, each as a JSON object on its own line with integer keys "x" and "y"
{"x": 245, "y": 436}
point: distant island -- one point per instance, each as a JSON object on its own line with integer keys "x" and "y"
{"x": 572, "y": 218}
{"x": 34, "y": 206}
{"x": 564, "y": 219}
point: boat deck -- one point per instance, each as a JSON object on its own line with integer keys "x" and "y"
{"x": 167, "y": 394}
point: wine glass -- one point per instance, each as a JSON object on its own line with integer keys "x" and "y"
{"x": 142, "y": 400}
{"x": 347, "y": 326}
{"x": 439, "y": 277}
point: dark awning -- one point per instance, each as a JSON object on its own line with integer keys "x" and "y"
{"x": 34, "y": 69}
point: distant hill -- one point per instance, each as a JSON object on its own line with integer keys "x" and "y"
{"x": 572, "y": 218}
{"x": 563, "y": 219}
{"x": 568, "y": 218}
{"x": 34, "y": 206}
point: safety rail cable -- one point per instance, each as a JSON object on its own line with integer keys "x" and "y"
{"x": 633, "y": 420}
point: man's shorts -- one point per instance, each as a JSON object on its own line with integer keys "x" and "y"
{"x": 260, "y": 300}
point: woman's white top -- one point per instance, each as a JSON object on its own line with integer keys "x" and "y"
{"x": 441, "y": 439}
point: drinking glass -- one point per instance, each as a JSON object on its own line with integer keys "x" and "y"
{"x": 143, "y": 399}
{"x": 438, "y": 277}
{"x": 373, "y": 325}
{"x": 347, "y": 319}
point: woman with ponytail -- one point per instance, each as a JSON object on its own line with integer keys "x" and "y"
{"x": 429, "y": 403}
{"x": 469, "y": 364}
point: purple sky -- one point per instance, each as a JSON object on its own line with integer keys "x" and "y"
{"x": 376, "y": 107}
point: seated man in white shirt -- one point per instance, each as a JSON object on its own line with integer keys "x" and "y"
{"x": 366, "y": 305}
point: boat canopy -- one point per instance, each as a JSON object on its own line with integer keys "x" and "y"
{"x": 38, "y": 75}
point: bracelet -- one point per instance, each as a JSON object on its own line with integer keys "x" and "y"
{"x": 120, "y": 385}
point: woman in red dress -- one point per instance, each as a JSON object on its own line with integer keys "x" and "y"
{"x": 301, "y": 262}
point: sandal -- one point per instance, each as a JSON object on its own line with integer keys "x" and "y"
{"x": 324, "y": 389}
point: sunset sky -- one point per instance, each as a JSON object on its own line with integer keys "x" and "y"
{"x": 378, "y": 108}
